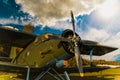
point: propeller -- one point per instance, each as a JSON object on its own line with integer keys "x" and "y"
{"x": 74, "y": 42}
{"x": 76, "y": 48}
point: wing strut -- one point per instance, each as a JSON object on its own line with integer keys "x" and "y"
{"x": 91, "y": 55}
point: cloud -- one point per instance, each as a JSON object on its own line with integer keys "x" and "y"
{"x": 95, "y": 34}
{"x": 49, "y": 11}
{"x": 63, "y": 24}
{"x": 6, "y": 21}
{"x": 107, "y": 16}
{"x": 18, "y": 20}
{"x": 114, "y": 40}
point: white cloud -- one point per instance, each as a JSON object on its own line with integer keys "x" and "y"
{"x": 6, "y": 21}
{"x": 63, "y": 24}
{"x": 18, "y": 20}
{"x": 48, "y": 11}
{"x": 109, "y": 9}
{"x": 107, "y": 16}
{"x": 95, "y": 34}
{"x": 114, "y": 40}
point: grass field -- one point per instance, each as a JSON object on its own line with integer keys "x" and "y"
{"x": 107, "y": 74}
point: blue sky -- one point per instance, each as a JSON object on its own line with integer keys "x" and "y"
{"x": 96, "y": 20}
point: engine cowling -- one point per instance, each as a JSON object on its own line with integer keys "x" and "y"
{"x": 69, "y": 46}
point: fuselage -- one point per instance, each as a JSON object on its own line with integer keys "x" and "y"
{"x": 42, "y": 51}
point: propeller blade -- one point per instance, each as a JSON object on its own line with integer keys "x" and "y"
{"x": 78, "y": 60}
{"x": 73, "y": 22}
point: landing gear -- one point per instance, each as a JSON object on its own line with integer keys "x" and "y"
{"x": 28, "y": 73}
{"x": 57, "y": 76}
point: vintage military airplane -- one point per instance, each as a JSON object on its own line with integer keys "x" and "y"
{"x": 47, "y": 51}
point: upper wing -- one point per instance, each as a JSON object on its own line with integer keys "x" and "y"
{"x": 96, "y": 47}
{"x": 15, "y": 38}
